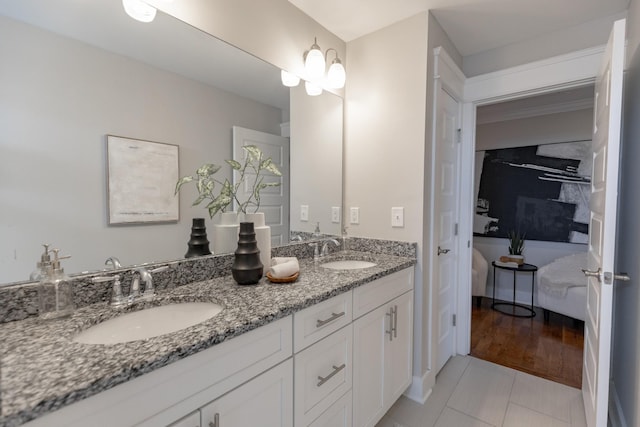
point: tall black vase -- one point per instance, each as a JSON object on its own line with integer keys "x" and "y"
{"x": 247, "y": 268}
{"x": 198, "y": 243}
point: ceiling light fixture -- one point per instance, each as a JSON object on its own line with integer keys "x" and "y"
{"x": 139, "y": 10}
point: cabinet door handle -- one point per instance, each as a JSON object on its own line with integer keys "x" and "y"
{"x": 336, "y": 369}
{"x": 395, "y": 321}
{"x": 216, "y": 421}
{"x": 334, "y": 316}
{"x": 391, "y": 327}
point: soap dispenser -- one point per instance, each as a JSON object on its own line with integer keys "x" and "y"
{"x": 316, "y": 232}
{"x": 41, "y": 266}
{"x": 55, "y": 294}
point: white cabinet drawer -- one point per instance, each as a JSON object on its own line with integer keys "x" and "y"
{"x": 316, "y": 322}
{"x": 338, "y": 414}
{"x": 323, "y": 373}
{"x": 378, "y": 292}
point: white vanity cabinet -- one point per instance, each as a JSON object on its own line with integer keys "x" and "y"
{"x": 382, "y": 346}
{"x": 191, "y": 420}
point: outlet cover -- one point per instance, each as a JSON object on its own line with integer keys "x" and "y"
{"x": 304, "y": 212}
{"x": 397, "y": 217}
{"x": 335, "y": 214}
{"x": 354, "y": 216}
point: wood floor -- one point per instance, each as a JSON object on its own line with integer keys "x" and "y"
{"x": 552, "y": 351}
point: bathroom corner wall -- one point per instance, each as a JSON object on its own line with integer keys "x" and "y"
{"x": 384, "y": 155}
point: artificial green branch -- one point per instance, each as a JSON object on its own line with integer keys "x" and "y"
{"x": 206, "y": 183}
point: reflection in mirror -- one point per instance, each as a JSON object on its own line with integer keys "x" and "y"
{"x": 74, "y": 72}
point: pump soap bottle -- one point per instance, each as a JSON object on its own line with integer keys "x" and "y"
{"x": 41, "y": 266}
{"x": 55, "y": 294}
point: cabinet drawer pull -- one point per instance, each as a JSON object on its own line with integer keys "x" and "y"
{"x": 391, "y": 327}
{"x": 336, "y": 369}
{"x": 215, "y": 422}
{"x": 395, "y": 321}
{"x": 334, "y": 316}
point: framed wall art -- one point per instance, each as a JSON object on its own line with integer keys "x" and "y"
{"x": 141, "y": 179}
{"x": 540, "y": 190}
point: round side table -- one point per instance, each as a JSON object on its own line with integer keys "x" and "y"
{"x": 514, "y": 309}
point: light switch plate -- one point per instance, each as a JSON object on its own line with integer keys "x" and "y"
{"x": 304, "y": 212}
{"x": 335, "y": 214}
{"x": 397, "y": 217}
{"x": 355, "y": 216}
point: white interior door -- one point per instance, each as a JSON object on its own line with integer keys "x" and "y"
{"x": 274, "y": 201}
{"x": 448, "y": 149}
{"x": 602, "y": 229}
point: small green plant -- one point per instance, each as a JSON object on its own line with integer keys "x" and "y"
{"x": 206, "y": 183}
{"x": 516, "y": 242}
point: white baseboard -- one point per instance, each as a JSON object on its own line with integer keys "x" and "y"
{"x": 616, "y": 416}
{"x": 420, "y": 388}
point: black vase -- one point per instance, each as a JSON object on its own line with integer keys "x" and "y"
{"x": 247, "y": 268}
{"x": 198, "y": 243}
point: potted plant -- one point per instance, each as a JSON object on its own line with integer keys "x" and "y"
{"x": 219, "y": 194}
{"x": 516, "y": 246}
{"x": 207, "y": 184}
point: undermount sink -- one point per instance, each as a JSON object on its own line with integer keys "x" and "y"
{"x": 148, "y": 323}
{"x": 348, "y": 264}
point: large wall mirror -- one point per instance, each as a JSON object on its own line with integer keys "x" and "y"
{"x": 74, "y": 72}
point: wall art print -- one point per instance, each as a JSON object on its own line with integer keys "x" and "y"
{"x": 540, "y": 190}
{"x": 141, "y": 181}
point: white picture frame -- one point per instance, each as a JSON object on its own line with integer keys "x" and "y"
{"x": 141, "y": 179}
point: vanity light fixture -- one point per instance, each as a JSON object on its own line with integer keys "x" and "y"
{"x": 139, "y": 10}
{"x": 312, "y": 89}
{"x": 288, "y": 79}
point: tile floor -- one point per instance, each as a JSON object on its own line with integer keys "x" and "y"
{"x": 470, "y": 392}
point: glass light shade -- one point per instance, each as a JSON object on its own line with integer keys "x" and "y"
{"x": 336, "y": 76}
{"x": 314, "y": 64}
{"x": 312, "y": 89}
{"x": 139, "y": 10}
{"x": 288, "y": 79}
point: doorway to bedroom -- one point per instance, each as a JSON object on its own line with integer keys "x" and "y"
{"x": 532, "y": 178}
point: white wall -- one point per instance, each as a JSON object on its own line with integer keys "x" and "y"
{"x": 591, "y": 34}
{"x": 59, "y": 99}
{"x": 316, "y": 135}
{"x": 552, "y": 128}
{"x": 625, "y": 361}
{"x": 385, "y": 110}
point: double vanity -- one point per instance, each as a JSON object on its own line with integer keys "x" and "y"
{"x": 332, "y": 349}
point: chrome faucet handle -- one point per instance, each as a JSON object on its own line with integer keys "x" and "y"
{"x": 316, "y": 250}
{"x": 117, "y": 300}
{"x": 296, "y": 238}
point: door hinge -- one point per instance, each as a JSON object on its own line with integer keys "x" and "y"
{"x": 455, "y": 230}
{"x": 454, "y": 320}
{"x": 468, "y": 243}
{"x": 459, "y": 135}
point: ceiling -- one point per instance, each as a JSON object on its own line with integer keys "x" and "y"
{"x": 472, "y": 25}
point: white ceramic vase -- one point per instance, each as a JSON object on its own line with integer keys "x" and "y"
{"x": 263, "y": 237}
{"x": 225, "y": 233}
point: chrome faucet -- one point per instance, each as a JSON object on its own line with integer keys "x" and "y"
{"x": 144, "y": 275}
{"x": 296, "y": 238}
{"x": 115, "y": 262}
{"x": 325, "y": 246}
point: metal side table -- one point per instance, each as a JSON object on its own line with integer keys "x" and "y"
{"x": 515, "y": 309}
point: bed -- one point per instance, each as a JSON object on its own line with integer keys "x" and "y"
{"x": 562, "y": 287}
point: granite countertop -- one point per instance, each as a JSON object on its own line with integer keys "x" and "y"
{"x": 42, "y": 369}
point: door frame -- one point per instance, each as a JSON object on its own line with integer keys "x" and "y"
{"x": 567, "y": 71}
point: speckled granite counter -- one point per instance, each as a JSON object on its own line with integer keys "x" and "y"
{"x": 42, "y": 369}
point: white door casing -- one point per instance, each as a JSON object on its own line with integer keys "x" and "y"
{"x": 274, "y": 201}
{"x": 448, "y": 152}
{"x": 602, "y": 229}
